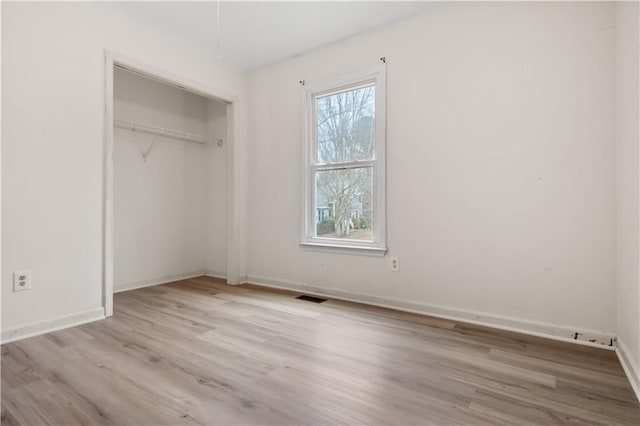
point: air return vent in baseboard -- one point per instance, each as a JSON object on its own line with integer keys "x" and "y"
{"x": 311, "y": 299}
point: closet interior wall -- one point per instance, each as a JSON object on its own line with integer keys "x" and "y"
{"x": 170, "y": 207}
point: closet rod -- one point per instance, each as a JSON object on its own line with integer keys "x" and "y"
{"x": 161, "y": 131}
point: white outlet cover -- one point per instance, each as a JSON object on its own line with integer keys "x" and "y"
{"x": 21, "y": 280}
{"x": 395, "y": 264}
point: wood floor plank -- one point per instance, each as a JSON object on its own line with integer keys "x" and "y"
{"x": 199, "y": 352}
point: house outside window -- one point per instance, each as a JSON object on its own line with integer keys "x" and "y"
{"x": 344, "y": 164}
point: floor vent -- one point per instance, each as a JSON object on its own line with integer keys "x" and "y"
{"x": 311, "y": 299}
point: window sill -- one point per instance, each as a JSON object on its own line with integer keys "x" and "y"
{"x": 345, "y": 249}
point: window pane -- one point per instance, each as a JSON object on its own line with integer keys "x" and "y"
{"x": 344, "y": 203}
{"x": 345, "y": 126}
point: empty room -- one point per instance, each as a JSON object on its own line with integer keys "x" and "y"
{"x": 320, "y": 213}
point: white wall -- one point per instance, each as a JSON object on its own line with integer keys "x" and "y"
{"x": 628, "y": 184}
{"x": 52, "y": 159}
{"x": 500, "y": 165}
{"x": 170, "y": 210}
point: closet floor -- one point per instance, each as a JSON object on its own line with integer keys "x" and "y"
{"x": 200, "y": 352}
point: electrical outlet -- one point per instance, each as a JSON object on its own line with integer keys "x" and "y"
{"x": 21, "y": 280}
{"x": 395, "y": 264}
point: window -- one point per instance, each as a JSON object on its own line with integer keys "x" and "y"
{"x": 344, "y": 187}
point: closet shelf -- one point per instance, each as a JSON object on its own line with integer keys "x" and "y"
{"x": 161, "y": 131}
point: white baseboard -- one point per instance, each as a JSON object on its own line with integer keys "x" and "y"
{"x": 534, "y": 328}
{"x": 42, "y": 327}
{"x": 216, "y": 274}
{"x": 157, "y": 281}
{"x": 630, "y": 365}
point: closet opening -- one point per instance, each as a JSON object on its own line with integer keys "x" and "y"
{"x": 168, "y": 198}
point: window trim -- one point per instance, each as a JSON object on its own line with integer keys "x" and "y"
{"x": 377, "y": 247}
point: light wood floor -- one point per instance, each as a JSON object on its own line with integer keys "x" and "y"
{"x": 201, "y": 352}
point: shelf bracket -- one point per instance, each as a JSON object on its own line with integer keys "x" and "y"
{"x": 153, "y": 142}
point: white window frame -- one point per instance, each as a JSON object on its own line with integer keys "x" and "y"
{"x": 377, "y": 247}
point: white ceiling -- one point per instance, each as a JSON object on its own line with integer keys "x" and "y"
{"x": 255, "y": 34}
